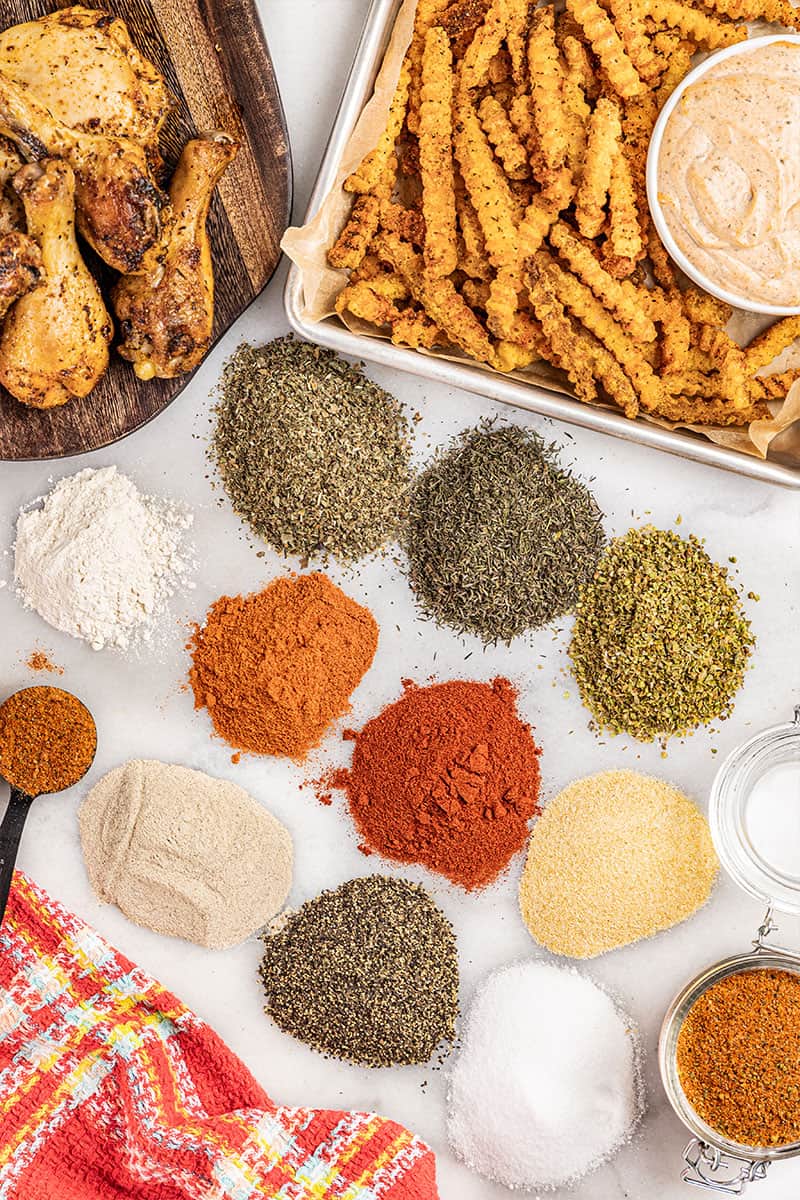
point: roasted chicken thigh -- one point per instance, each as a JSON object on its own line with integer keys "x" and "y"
{"x": 81, "y": 64}
{"x": 54, "y": 343}
{"x": 166, "y": 317}
{"x": 119, "y": 204}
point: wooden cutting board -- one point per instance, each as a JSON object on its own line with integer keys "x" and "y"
{"x": 217, "y": 64}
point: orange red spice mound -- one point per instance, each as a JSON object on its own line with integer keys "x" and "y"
{"x": 447, "y": 776}
{"x": 276, "y": 668}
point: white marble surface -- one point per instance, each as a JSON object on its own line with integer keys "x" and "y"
{"x": 141, "y": 710}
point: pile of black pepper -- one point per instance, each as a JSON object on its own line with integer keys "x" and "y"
{"x": 500, "y": 538}
{"x": 367, "y": 973}
{"x": 314, "y": 456}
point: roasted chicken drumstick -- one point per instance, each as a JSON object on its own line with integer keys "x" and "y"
{"x": 54, "y": 343}
{"x": 119, "y": 204}
{"x": 166, "y": 317}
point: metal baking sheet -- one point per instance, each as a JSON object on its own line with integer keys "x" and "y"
{"x": 331, "y": 332}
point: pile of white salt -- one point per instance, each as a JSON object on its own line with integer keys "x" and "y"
{"x": 547, "y": 1084}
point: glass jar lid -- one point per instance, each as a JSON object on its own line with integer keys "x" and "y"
{"x": 754, "y": 813}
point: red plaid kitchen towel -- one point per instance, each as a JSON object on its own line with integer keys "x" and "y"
{"x": 110, "y": 1088}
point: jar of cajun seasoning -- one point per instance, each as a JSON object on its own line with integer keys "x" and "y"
{"x": 729, "y": 1050}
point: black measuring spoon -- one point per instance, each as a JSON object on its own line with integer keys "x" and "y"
{"x": 35, "y": 728}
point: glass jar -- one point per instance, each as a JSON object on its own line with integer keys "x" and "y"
{"x": 712, "y": 1161}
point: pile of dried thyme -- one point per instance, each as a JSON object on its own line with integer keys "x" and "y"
{"x": 660, "y": 643}
{"x": 367, "y": 973}
{"x": 501, "y": 538}
{"x": 313, "y": 455}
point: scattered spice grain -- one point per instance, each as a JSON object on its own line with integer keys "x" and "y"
{"x": 314, "y": 456}
{"x": 500, "y": 538}
{"x": 738, "y": 1057}
{"x": 47, "y": 740}
{"x": 446, "y": 776}
{"x": 660, "y": 643}
{"x": 615, "y": 857}
{"x": 276, "y": 668}
{"x": 367, "y": 973}
{"x": 38, "y": 660}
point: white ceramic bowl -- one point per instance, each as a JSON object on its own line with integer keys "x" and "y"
{"x": 740, "y": 49}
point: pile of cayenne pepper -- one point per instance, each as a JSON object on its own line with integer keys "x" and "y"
{"x": 447, "y": 776}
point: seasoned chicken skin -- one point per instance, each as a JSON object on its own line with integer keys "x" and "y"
{"x": 119, "y": 204}
{"x": 166, "y": 317}
{"x": 54, "y": 343}
{"x": 21, "y": 268}
{"x": 81, "y": 64}
{"x": 12, "y": 216}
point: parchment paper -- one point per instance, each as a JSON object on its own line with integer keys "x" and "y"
{"x": 307, "y": 247}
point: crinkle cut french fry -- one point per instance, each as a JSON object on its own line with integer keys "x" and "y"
{"x": 511, "y": 356}
{"x": 436, "y": 154}
{"x": 618, "y": 296}
{"x": 416, "y": 329}
{"x": 586, "y": 308}
{"x": 502, "y": 302}
{"x": 577, "y": 114}
{"x": 781, "y": 12}
{"x": 731, "y": 361}
{"x": 390, "y": 285}
{"x": 707, "y": 31}
{"x": 565, "y": 349}
{"x": 488, "y": 188}
{"x": 542, "y": 212}
{"x": 776, "y": 386}
{"x": 579, "y": 65}
{"x": 698, "y": 410}
{"x": 605, "y": 41}
{"x": 473, "y": 259}
{"x": 367, "y": 175}
{"x": 678, "y": 67}
{"x": 675, "y": 333}
{"x": 485, "y": 44}
{"x": 520, "y": 111}
{"x": 772, "y": 342}
{"x": 519, "y": 16}
{"x": 704, "y": 309}
{"x": 427, "y": 14}
{"x": 503, "y": 136}
{"x": 624, "y": 234}
{"x": 438, "y": 297}
{"x": 546, "y": 75}
{"x": 630, "y": 26}
{"x": 605, "y": 131}
{"x": 362, "y": 301}
{"x": 660, "y": 261}
{"x": 351, "y": 245}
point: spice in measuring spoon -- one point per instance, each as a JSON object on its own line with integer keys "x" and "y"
{"x": 48, "y": 740}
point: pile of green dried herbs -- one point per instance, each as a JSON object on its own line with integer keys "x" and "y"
{"x": 367, "y": 973}
{"x": 313, "y": 455}
{"x": 660, "y": 643}
{"x": 500, "y": 538}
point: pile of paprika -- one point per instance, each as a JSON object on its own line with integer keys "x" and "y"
{"x": 447, "y": 776}
{"x": 276, "y": 668}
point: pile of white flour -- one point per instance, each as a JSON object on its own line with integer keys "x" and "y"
{"x": 185, "y": 854}
{"x": 98, "y": 560}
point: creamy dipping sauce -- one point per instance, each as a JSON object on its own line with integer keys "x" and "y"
{"x": 729, "y": 174}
